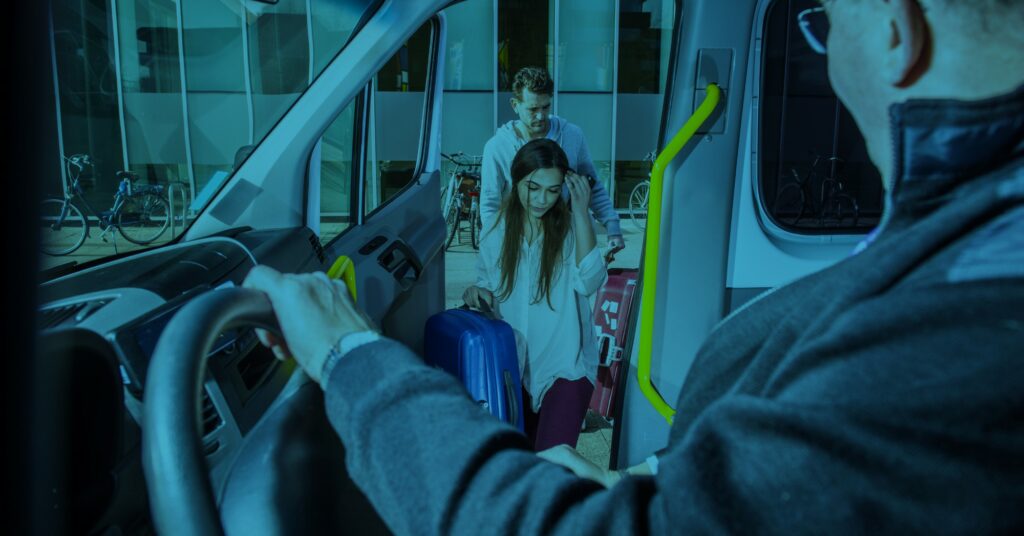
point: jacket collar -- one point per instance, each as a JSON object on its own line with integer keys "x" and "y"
{"x": 941, "y": 144}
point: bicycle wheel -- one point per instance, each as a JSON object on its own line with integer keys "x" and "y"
{"x": 855, "y": 209}
{"x": 790, "y": 204}
{"x": 143, "y": 218}
{"x": 451, "y": 220}
{"x": 453, "y": 229}
{"x": 638, "y": 200}
{"x": 841, "y": 208}
{"x": 63, "y": 227}
{"x": 444, "y": 198}
{"x": 475, "y": 227}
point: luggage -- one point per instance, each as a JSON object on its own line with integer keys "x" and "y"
{"x": 611, "y": 323}
{"x": 480, "y": 352}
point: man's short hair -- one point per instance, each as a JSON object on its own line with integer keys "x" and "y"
{"x": 535, "y": 79}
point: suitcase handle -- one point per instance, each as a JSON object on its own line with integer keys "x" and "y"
{"x": 613, "y": 352}
{"x": 511, "y": 401}
{"x": 485, "y": 310}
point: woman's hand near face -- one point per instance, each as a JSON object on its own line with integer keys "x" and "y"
{"x": 579, "y": 192}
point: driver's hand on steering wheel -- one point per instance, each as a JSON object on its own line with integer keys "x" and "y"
{"x": 313, "y": 311}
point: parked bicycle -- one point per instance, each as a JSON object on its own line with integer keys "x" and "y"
{"x": 639, "y": 197}
{"x": 140, "y": 212}
{"x": 460, "y": 200}
{"x": 834, "y": 206}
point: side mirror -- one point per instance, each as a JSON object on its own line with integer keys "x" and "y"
{"x": 242, "y": 153}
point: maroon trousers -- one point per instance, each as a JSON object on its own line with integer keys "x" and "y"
{"x": 561, "y": 415}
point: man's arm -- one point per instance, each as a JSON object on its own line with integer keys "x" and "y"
{"x": 903, "y": 414}
{"x": 433, "y": 462}
{"x": 494, "y": 184}
{"x": 844, "y": 440}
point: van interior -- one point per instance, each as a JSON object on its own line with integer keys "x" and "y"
{"x": 772, "y": 185}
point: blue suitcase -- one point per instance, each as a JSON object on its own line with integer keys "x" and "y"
{"x": 480, "y": 352}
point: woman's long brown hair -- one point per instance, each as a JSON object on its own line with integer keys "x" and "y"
{"x": 537, "y": 154}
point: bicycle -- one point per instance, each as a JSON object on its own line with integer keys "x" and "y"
{"x": 139, "y": 213}
{"x": 794, "y": 200}
{"x": 460, "y": 200}
{"x": 833, "y": 199}
{"x": 639, "y": 197}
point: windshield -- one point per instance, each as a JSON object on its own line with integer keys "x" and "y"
{"x": 160, "y": 100}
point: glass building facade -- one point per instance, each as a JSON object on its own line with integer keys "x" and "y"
{"x": 179, "y": 90}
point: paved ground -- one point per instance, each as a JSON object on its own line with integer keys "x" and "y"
{"x": 460, "y": 266}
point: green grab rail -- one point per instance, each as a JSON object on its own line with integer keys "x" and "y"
{"x": 651, "y": 246}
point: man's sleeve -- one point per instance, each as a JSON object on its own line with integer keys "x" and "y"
{"x": 492, "y": 191}
{"x": 431, "y": 461}
{"x": 897, "y": 417}
{"x": 600, "y": 202}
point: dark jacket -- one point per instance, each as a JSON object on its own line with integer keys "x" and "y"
{"x": 885, "y": 393}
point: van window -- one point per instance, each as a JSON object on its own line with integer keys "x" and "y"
{"x": 337, "y": 151}
{"x": 815, "y": 176}
{"x": 396, "y": 120}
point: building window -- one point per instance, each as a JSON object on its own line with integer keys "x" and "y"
{"x": 645, "y": 37}
{"x": 645, "y": 32}
{"x": 815, "y": 174}
{"x": 87, "y": 89}
{"x": 524, "y": 37}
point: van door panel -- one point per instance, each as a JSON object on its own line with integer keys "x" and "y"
{"x": 396, "y": 245}
{"x": 698, "y": 196}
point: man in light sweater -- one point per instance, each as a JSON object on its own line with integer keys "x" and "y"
{"x": 532, "y": 93}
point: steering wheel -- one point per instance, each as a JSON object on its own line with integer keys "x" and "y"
{"x": 181, "y": 497}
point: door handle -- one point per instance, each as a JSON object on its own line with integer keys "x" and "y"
{"x": 402, "y": 262}
{"x": 372, "y": 245}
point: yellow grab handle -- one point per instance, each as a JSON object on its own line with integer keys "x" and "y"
{"x": 346, "y": 271}
{"x": 650, "y": 273}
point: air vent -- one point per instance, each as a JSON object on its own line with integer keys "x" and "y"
{"x": 68, "y": 314}
{"x": 49, "y": 318}
{"x": 211, "y": 419}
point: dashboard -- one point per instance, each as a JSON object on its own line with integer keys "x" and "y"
{"x": 128, "y": 302}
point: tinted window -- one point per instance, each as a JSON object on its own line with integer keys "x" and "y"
{"x": 815, "y": 175}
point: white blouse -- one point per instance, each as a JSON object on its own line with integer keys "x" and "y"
{"x": 559, "y": 342}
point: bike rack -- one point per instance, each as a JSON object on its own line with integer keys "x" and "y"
{"x": 179, "y": 188}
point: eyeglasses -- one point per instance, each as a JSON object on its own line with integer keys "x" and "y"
{"x": 814, "y": 25}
